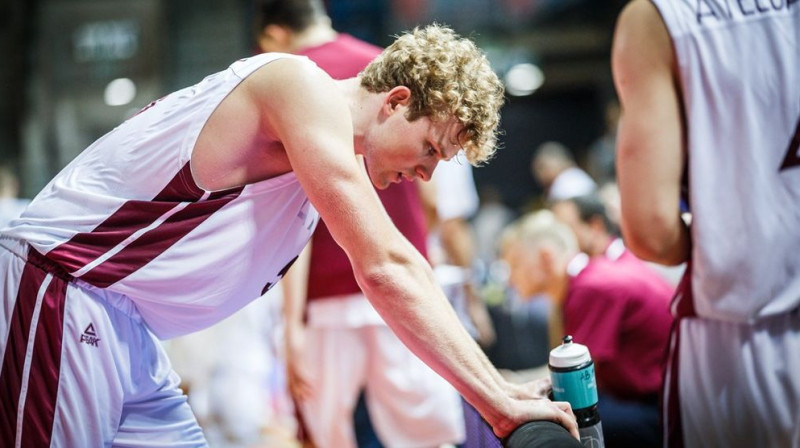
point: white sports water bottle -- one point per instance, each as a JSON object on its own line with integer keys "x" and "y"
{"x": 572, "y": 374}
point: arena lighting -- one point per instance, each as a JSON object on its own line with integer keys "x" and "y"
{"x": 523, "y": 79}
{"x": 120, "y": 92}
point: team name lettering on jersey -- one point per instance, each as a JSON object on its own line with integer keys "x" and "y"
{"x": 730, "y": 9}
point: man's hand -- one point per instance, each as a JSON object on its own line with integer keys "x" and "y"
{"x": 539, "y": 388}
{"x": 538, "y": 409}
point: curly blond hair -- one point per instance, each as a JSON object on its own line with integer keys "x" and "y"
{"x": 448, "y": 77}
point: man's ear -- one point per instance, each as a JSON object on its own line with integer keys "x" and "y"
{"x": 547, "y": 260}
{"x": 398, "y": 96}
{"x": 275, "y": 38}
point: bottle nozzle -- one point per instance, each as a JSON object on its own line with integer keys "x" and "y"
{"x": 567, "y": 339}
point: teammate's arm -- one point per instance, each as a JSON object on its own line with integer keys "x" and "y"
{"x": 458, "y": 244}
{"x": 650, "y": 154}
{"x": 295, "y": 291}
{"x": 312, "y": 119}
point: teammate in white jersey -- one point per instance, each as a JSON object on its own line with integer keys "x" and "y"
{"x": 184, "y": 213}
{"x": 710, "y": 92}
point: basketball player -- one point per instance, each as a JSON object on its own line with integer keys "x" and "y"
{"x": 184, "y": 213}
{"x": 710, "y": 93}
{"x": 336, "y": 343}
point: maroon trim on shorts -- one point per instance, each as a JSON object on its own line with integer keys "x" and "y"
{"x": 683, "y": 300}
{"x": 673, "y": 429}
{"x": 40, "y": 402}
{"x": 39, "y": 408}
{"x": 683, "y": 307}
{"x": 85, "y": 247}
{"x": 14, "y": 356}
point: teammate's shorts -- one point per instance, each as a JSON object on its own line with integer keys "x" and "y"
{"x": 79, "y": 367}
{"x": 409, "y": 404}
{"x": 734, "y": 385}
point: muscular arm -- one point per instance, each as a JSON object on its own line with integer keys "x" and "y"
{"x": 312, "y": 120}
{"x": 650, "y": 154}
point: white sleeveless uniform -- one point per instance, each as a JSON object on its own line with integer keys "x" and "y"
{"x": 124, "y": 247}
{"x": 734, "y": 373}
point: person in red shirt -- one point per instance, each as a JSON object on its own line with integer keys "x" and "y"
{"x": 619, "y": 308}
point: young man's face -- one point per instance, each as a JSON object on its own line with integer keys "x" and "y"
{"x": 398, "y": 149}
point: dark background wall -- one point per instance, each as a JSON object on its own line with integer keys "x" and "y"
{"x": 59, "y": 55}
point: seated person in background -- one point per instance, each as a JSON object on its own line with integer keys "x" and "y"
{"x": 619, "y": 309}
{"x": 553, "y": 166}
{"x": 598, "y": 236}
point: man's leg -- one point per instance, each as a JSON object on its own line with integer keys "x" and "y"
{"x": 335, "y": 360}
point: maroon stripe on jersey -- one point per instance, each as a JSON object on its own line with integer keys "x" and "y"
{"x": 40, "y": 404}
{"x": 155, "y": 241}
{"x": 792, "y": 157}
{"x": 673, "y": 429}
{"x": 83, "y": 248}
{"x": 16, "y": 347}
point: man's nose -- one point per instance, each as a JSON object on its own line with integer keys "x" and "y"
{"x": 425, "y": 171}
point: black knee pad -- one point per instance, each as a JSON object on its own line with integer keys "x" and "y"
{"x": 541, "y": 434}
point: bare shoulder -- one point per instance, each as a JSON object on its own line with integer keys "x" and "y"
{"x": 638, "y": 16}
{"x": 293, "y": 84}
{"x": 642, "y": 44}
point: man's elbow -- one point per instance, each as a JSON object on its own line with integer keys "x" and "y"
{"x": 381, "y": 278}
{"x": 647, "y": 248}
{"x": 660, "y": 243}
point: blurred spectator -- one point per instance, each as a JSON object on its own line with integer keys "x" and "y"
{"x": 598, "y": 236}
{"x": 609, "y": 194}
{"x": 586, "y": 216}
{"x": 600, "y": 159}
{"x": 553, "y": 166}
{"x": 492, "y": 216}
{"x": 11, "y": 206}
{"x": 452, "y": 246}
{"x": 522, "y": 322}
{"x": 618, "y": 308}
{"x": 336, "y": 343}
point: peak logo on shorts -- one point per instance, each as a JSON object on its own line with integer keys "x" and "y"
{"x": 89, "y": 336}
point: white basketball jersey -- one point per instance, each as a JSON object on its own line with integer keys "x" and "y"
{"x": 739, "y": 65}
{"x": 126, "y": 215}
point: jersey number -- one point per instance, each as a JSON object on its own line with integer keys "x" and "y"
{"x": 792, "y": 158}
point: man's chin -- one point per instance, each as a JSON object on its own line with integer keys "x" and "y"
{"x": 384, "y": 184}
